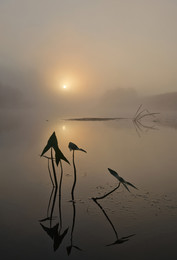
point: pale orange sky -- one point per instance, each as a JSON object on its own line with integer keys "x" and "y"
{"x": 92, "y": 45}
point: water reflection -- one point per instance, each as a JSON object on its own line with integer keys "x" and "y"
{"x": 150, "y": 162}
{"x": 118, "y": 239}
{"x": 54, "y": 231}
{"x": 141, "y": 127}
{"x": 72, "y": 245}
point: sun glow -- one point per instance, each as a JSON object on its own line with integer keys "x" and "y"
{"x": 66, "y": 82}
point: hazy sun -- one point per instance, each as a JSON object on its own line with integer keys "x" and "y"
{"x": 64, "y": 86}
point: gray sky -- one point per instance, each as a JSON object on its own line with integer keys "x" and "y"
{"x": 91, "y": 45}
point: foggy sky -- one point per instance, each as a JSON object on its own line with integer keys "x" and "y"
{"x": 96, "y": 45}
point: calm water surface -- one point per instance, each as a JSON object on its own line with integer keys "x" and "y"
{"x": 142, "y": 221}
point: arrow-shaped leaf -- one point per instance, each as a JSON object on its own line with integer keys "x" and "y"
{"x": 73, "y": 147}
{"x": 53, "y": 143}
{"x": 121, "y": 180}
{"x": 128, "y": 183}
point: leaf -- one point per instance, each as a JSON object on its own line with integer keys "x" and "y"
{"x": 114, "y": 173}
{"x": 44, "y": 219}
{"x": 118, "y": 241}
{"x": 125, "y": 186}
{"x": 121, "y": 240}
{"x": 60, "y": 156}
{"x": 58, "y": 239}
{"x": 73, "y": 147}
{"x": 121, "y": 180}
{"x": 53, "y": 143}
{"x": 82, "y": 150}
{"x": 128, "y": 236}
{"x": 68, "y": 249}
{"x": 50, "y": 231}
{"x": 128, "y": 183}
{"x": 78, "y": 248}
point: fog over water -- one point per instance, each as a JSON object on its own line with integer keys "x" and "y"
{"x": 102, "y": 75}
{"x": 92, "y": 46}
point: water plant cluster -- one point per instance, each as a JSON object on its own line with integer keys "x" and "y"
{"x": 56, "y": 232}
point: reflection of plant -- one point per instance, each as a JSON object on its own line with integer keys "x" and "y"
{"x": 69, "y": 248}
{"x": 54, "y": 231}
{"x": 118, "y": 240}
{"x": 73, "y": 147}
{"x": 55, "y": 235}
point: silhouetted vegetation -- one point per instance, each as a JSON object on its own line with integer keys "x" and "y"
{"x": 55, "y": 231}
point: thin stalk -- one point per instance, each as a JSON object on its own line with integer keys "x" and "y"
{"x": 53, "y": 205}
{"x": 137, "y": 111}
{"x": 54, "y": 172}
{"x": 47, "y": 157}
{"x": 60, "y": 185}
{"x": 136, "y": 128}
{"x": 50, "y": 199}
{"x": 104, "y": 196}
{"x": 140, "y": 113}
{"x": 50, "y": 173}
{"x": 73, "y": 224}
{"x": 75, "y": 178}
{"x": 151, "y": 114}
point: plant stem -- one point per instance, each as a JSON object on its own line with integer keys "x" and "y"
{"x": 104, "y": 196}
{"x": 53, "y": 205}
{"x": 50, "y": 199}
{"x": 54, "y": 172}
{"x": 73, "y": 224}
{"x": 50, "y": 173}
{"x": 75, "y": 178}
{"x": 60, "y": 185}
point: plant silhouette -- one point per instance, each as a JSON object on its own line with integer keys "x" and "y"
{"x": 73, "y": 147}
{"x": 54, "y": 231}
{"x": 59, "y": 156}
{"x": 125, "y": 183}
{"x": 121, "y": 180}
{"x": 142, "y": 113}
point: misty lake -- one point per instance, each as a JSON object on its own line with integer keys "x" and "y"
{"x": 140, "y": 224}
